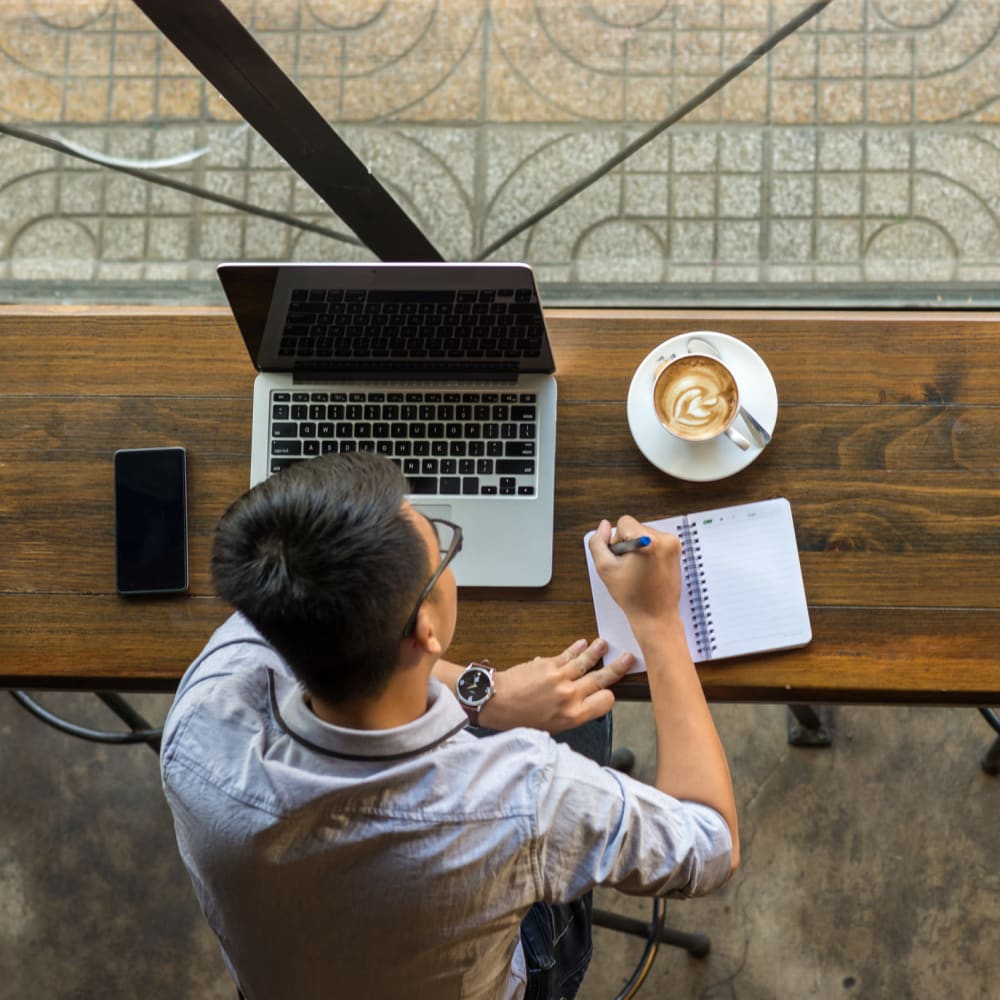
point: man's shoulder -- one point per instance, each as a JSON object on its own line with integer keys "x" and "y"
{"x": 229, "y": 675}
{"x": 219, "y": 720}
{"x": 235, "y": 646}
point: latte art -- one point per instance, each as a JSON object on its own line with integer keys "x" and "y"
{"x": 696, "y": 397}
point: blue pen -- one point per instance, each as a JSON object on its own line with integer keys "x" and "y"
{"x": 632, "y": 545}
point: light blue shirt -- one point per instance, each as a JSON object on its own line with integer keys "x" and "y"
{"x": 396, "y": 863}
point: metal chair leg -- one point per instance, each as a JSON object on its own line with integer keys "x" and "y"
{"x": 697, "y": 945}
{"x": 990, "y": 761}
{"x": 140, "y": 730}
{"x": 810, "y": 726}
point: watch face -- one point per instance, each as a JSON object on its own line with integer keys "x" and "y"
{"x": 474, "y": 686}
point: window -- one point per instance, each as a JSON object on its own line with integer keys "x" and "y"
{"x": 857, "y": 161}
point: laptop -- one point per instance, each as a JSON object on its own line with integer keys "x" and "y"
{"x": 444, "y": 368}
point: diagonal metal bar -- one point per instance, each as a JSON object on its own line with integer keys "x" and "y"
{"x": 229, "y": 57}
{"x": 152, "y": 177}
{"x": 675, "y": 116}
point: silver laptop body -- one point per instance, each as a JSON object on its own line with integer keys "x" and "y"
{"x": 444, "y": 368}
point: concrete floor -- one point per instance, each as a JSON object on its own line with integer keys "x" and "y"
{"x": 869, "y": 869}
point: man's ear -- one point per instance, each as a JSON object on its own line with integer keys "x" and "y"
{"x": 425, "y": 634}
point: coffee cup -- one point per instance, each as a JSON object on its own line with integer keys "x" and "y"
{"x": 697, "y": 398}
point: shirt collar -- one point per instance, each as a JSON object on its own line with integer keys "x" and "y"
{"x": 442, "y": 720}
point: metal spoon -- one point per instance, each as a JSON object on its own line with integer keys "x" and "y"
{"x": 759, "y": 432}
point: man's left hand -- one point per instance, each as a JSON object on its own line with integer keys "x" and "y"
{"x": 555, "y": 693}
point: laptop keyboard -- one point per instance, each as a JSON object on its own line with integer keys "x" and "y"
{"x": 445, "y": 443}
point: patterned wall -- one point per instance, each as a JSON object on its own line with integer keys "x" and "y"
{"x": 865, "y": 148}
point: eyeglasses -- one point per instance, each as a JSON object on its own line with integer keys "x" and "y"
{"x": 450, "y": 543}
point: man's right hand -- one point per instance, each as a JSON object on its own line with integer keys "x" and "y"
{"x": 690, "y": 760}
{"x": 646, "y": 584}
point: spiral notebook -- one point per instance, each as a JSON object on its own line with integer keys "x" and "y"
{"x": 742, "y": 584}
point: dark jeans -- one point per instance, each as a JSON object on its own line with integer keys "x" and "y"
{"x": 556, "y": 937}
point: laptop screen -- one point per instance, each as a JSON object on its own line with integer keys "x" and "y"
{"x": 396, "y": 321}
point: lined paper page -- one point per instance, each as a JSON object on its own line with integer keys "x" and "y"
{"x": 755, "y": 594}
{"x": 756, "y": 600}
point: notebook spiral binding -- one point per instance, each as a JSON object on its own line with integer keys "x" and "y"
{"x": 694, "y": 578}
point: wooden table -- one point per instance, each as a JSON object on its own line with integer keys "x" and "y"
{"x": 887, "y": 446}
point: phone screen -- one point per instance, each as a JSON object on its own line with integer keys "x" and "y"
{"x": 151, "y": 550}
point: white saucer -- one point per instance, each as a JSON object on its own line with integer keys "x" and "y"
{"x": 702, "y": 461}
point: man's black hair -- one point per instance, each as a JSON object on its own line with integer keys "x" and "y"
{"x": 321, "y": 559}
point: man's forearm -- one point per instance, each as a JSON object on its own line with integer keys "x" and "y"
{"x": 690, "y": 759}
{"x": 447, "y": 673}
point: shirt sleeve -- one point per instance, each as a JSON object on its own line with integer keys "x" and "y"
{"x": 599, "y": 827}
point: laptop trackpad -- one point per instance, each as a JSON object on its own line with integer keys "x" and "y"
{"x": 429, "y": 510}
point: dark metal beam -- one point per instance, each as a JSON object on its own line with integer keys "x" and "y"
{"x": 229, "y": 57}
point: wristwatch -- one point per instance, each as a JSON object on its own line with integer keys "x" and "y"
{"x": 474, "y": 688}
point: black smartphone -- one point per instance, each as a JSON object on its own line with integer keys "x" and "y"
{"x": 151, "y": 537}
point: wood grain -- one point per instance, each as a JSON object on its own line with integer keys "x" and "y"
{"x": 887, "y": 446}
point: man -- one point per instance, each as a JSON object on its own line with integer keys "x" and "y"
{"x": 346, "y": 834}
